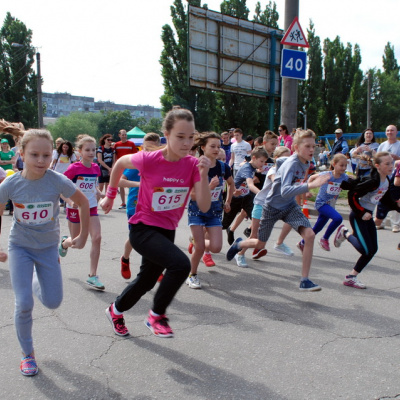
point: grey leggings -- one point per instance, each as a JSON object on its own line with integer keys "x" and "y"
{"x": 33, "y": 271}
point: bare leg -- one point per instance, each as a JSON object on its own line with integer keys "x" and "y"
{"x": 308, "y": 235}
{"x": 286, "y": 228}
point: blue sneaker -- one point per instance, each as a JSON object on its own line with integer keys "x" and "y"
{"x": 309, "y": 286}
{"x": 234, "y": 249}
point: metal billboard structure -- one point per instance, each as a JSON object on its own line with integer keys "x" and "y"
{"x": 233, "y": 55}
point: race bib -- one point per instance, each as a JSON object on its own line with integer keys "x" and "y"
{"x": 215, "y": 193}
{"x": 333, "y": 188}
{"x": 244, "y": 190}
{"x": 34, "y": 213}
{"x": 86, "y": 184}
{"x": 375, "y": 199}
{"x": 266, "y": 168}
{"x": 168, "y": 198}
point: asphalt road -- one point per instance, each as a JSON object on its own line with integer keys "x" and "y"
{"x": 248, "y": 334}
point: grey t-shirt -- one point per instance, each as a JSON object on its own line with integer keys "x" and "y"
{"x": 290, "y": 180}
{"x": 36, "y": 208}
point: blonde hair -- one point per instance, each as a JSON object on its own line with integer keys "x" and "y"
{"x": 151, "y": 142}
{"x": 302, "y": 134}
{"x": 83, "y": 139}
{"x": 377, "y": 159}
{"x": 268, "y": 135}
{"x": 336, "y": 158}
{"x": 17, "y": 129}
{"x": 279, "y": 151}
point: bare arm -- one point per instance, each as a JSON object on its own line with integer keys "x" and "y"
{"x": 202, "y": 190}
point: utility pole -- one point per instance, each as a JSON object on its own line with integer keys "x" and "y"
{"x": 368, "y": 100}
{"x": 289, "y": 86}
{"x": 39, "y": 92}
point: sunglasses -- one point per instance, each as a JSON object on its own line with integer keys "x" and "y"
{"x": 109, "y": 140}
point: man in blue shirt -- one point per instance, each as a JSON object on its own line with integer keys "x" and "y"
{"x": 340, "y": 145}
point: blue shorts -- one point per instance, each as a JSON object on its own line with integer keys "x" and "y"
{"x": 257, "y": 211}
{"x": 207, "y": 221}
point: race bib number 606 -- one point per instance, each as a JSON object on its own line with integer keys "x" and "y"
{"x": 168, "y": 198}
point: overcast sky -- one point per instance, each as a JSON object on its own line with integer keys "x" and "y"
{"x": 110, "y": 50}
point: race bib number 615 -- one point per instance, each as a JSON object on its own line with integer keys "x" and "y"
{"x": 168, "y": 198}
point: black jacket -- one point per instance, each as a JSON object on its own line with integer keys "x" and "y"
{"x": 360, "y": 187}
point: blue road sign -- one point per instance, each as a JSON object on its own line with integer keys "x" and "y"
{"x": 294, "y": 64}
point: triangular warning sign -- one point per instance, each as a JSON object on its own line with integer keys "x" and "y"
{"x": 294, "y": 36}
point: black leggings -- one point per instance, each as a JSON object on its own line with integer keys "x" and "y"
{"x": 364, "y": 239}
{"x": 158, "y": 251}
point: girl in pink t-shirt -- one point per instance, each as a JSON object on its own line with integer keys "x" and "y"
{"x": 84, "y": 174}
{"x": 166, "y": 178}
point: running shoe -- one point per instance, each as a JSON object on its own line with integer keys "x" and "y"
{"x": 122, "y": 206}
{"x": 340, "y": 237}
{"x": 324, "y": 243}
{"x": 159, "y": 326}
{"x": 207, "y": 260}
{"x": 241, "y": 261}
{"x": 283, "y": 248}
{"x": 94, "y": 282}
{"x": 309, "y": 286}
{"x": 395, "y": 229}
{"x": 378, "y": 227}
{"x": 353, "y": 281}
{"x": 234, "y": 249}
{"x": 258, "y": 253}
{"x": 231, "y": 236}
{"x": 117, "y": 321}
{"x": 125, "y": 270}
{"x": 247, "y": 232}
{"x": 193, "y": 282}
{"x": 28, "y": 366}
{"x": 61, "y": 251}
{"x": 300, "y": 246}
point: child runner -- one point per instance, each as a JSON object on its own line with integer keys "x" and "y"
{"x": 209, "y": 145}
{"x": 326, "y": 200}
{"x": 84, "y": 174}
{"x": 280, "y": 204}
{"x": 130, "y": 178}
{"x": 166, "y": 179}
{"x": 281, "y": 154}
{"x": 35, "y": 235}
{"x": 364, "y": 195}
{"x": 244, "y": 184}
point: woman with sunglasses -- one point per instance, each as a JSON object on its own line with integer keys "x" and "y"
{"x": 106, "y": 160}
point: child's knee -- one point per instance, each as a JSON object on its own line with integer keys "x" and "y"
{"x": 308, "y": 234}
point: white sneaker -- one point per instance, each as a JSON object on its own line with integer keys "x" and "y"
{"x": 193, "y": 282}
{"x": 395, "y": 229}
{"x": 353, "y": 281}
{"x": 340, "y": 236}
{"x": 241, "y": 261}
{"x": 283, "y": 248}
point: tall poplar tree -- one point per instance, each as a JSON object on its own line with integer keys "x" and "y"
{"x": 18, "y": 93}
{"x": 175, "y": 71}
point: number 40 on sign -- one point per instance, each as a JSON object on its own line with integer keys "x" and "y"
{"x": 294, "y": 64}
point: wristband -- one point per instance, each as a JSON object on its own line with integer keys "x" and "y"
{"x": 111, "y": 192}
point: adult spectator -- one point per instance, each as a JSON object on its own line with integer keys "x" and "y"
{"x": 285, "y": 138}
{"x": 19, "y": 164}
{"x": 226, "y": 145}
{"x": 122, "y": 148}
{"x": 340, "y": 145}
{"x": 239, "y": 150}
{"x": 392, "y": 145}
{"x": 366, "y": 145}
{"x": 106, "y": 160}
{"x": 7, "y": 156}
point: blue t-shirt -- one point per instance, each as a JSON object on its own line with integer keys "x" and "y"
{"x": 227, "y": 148}
{"x": 329, "y": 192}
{"x": 132, "y": 175}
{"x": 244, "y": 172}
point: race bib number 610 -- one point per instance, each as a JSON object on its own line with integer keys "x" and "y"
{"x": 168, "y": 198}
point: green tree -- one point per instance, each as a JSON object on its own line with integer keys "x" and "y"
{"x": 267, "y": 17}
{"x": 69, "y": 127}
{"x": 113, "y": 121}
{"x": 153, "y": 125}
{"x": 235, "y": 8}
{"x": 175, "y": 71}
{"x": 390, "y": 65}
{"x": 310, "y": 91}
{"x": 18, "y": 81}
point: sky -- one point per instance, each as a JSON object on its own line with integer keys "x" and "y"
{"x": 111, "y": 50}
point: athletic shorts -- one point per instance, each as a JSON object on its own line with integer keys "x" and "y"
{"x": 292, "y": 215}
{"x": 257, "y": 211}
{"x": 73, "y": 214}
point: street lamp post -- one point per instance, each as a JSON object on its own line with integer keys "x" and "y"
{"x": 304, "y": 114}
{"x": 39, "y": 85}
